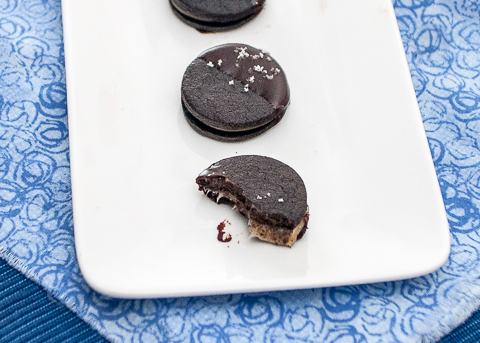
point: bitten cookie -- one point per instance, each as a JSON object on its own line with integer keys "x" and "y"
{"x": 216, "y": 15}
{"x": 268, "y": 192}
{"x": 234, "y": 92}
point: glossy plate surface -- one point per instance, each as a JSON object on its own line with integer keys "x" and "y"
{"x": 353, "y": 132}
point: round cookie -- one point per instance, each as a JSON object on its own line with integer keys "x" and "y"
{"x": 232, "y": 89}
{"x": 270, "y": 193}
{"x": 224, "y": 136}
{"x": 216, "y": 15}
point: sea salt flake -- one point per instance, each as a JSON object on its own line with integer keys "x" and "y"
{"x": 268, "y": 58}
{"x": 258, "y": 68}
{"x": 259, "y": 197}
{"x": 210, "y": 64}
{"x": 251, "y": 79}
{"x": 277, "y": 70}
{"x": 261, "y": 55}
{"x": 270, "y": 77}
{"x": 242, "y": 53}
{"x": 280, "y": 200}
{"x": 268, "y": 194}
{"x": 245, "y": 89}
{"x": 231, "y": 82}
{"x": 219, "y": 62}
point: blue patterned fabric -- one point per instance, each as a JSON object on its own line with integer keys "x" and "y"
{"x": 442, "y": 44}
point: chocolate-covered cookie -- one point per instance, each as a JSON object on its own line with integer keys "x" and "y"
{"x": 234, "y": 88}
{"x": 225, "y": 136}
{"x": 268, "y": 192}
{"x": 216, "y": 15}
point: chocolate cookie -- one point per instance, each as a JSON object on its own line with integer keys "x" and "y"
{"x": 268, "y": 192}
{"x": 216, "y": 15}
{"x": 225, "y": 136}
{"x": 234, "y": 92}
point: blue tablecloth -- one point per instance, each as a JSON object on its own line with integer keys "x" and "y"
{"x": 469, "y": 332}
{"x": 442, "y": 43}
{"x": 29, "y": 315}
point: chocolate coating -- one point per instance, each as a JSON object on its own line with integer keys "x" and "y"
{"x": 270, "y": 190}
{"x": 241, "y": 62}
{"x": 235, "y": 88}
{"x": 216, "y": 15}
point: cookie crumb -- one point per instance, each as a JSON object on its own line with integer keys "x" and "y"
{"x": 221, "y": 233}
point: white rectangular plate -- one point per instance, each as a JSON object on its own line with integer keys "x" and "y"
{"x": 353, "y": 132}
